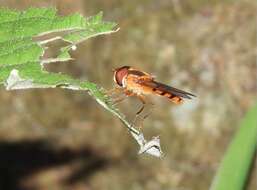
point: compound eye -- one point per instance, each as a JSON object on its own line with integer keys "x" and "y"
{"x": 119, "y": 75}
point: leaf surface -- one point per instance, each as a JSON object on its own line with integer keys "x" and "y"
{"x": 22, "y": 65}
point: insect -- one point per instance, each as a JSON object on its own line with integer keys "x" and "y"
{"x": 134, "y": 82}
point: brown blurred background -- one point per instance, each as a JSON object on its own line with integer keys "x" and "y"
{"x": 61, "y": 139}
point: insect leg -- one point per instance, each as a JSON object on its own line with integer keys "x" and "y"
{"x": 139, "y": 120}
{"x": 139, "y": 117}
{"x": 124, "y": 92}
{"x": 143, "y": 101}
{"x": 135, "y": 120}
{"x": 114, "y": 91}
{"x": 118, "y": 100}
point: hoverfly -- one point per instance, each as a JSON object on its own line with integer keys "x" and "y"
{"x": 134, "y": 82}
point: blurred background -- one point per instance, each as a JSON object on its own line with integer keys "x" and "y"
{"x": 61, "y": 139}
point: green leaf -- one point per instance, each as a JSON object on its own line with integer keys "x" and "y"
{"x": 234, "y": 169}
{"x": 22, "y": 66}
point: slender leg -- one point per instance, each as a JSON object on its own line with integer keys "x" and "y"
{"x": 137, "y": 117}
{"x": 138, "y": 120}
{"x": 143, "y": 101}
{"x": 125, "y": 92}
{"x": 142, "y": 121}
{"x": 118, "y": 100}
{"x": 114, "y": 91}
